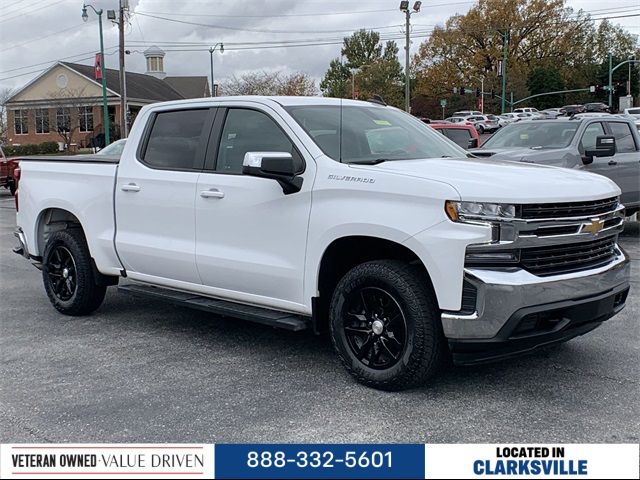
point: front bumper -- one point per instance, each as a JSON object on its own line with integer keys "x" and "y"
{"x": 516, "y": 311}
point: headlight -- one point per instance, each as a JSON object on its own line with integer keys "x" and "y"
{"x": 463, "y": 211}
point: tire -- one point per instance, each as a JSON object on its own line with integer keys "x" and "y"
{"x": 480, "y": 129}
{"x": 12, "y": 188}
{"x": 68, "y": 274}
{"x": 377, "y": 291}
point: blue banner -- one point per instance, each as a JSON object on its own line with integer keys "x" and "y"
{"x": 318, "y": 461}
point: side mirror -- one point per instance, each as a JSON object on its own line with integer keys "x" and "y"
{"x": 473, "y": 143}
{"x": 605, "y": 147}
{"x": 278, "y": 166}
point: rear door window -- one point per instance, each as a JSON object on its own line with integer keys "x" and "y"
{"x": 177, "y": 140}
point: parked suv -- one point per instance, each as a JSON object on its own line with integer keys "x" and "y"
{"x": 608, "y": 145}
{"x": 483, "y": 123}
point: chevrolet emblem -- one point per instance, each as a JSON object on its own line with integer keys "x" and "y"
{"x": 594, "y": 227}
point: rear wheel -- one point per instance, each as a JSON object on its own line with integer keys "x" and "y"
{"x": 385, "y": 325}
{"x": 68, "y": 274}
{"x": 12, "y": 187}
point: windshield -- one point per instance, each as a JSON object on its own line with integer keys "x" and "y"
{"x": 371, "y": 134}
{"x": 634, "y": 111}
{"x": 114, "y": 149}
{"x": 533, "y": 134}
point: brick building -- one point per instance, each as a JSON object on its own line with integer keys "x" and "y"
{"x": 64, "y": 103}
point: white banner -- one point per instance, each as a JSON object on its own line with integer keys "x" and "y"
{"x": 107, "y": 461}
{"x": 532, "y": 461}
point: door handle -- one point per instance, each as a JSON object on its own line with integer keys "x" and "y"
{"x": 212, "y": 193}
{"x": 612, "y": 162}
{"x": 130, "y": 187}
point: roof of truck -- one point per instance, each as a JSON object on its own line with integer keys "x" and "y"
{"x": 282, "y": 100}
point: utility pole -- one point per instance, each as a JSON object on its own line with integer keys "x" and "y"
{"x": 211, "y": 50}
{"x": 407, "y": 77}
{"x": 404, "y": 7}
{"x": 505, "y": 51}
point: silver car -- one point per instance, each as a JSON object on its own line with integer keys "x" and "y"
{"x": 605, "y": 144}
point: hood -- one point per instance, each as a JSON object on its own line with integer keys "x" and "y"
{"x": 504, "y": 181}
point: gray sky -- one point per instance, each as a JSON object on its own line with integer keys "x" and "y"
{"x": 34, "y": 33}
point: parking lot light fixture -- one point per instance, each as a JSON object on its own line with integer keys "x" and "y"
{"x": 103, "y": 73}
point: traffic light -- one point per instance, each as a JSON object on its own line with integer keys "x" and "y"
{"x": 478, "y": 93}
{"x": 462, "y": 92}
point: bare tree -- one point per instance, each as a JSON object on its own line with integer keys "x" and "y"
{"x": 5, "y": 95}
{"x": 270, "y": 83}
{"x": 67, "y": 119}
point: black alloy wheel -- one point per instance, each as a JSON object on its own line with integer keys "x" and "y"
{"x": 61, "y": 273}
{"x": 375, "y": 327}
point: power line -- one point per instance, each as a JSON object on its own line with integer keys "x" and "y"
{"x": 45, "y": 36}
{"x": 27, "y": 8}
{"x": 256, "y": 30}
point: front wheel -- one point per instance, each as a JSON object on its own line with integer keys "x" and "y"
{"x": 385, "y": 325}
{"x": 68, "y": 275}
{"x": 480, "y": 129}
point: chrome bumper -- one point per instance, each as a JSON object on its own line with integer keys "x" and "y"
{"x": 21, "y": 249}
{"x": 501, "y": 294}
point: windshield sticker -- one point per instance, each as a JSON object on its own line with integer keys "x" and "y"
{"x": 386, "y": 123}
{"x": 524, "y": 136}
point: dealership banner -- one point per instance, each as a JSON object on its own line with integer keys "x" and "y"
{"x": 320, "y": 461}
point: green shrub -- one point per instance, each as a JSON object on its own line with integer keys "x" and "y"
{"x": 30, "y": 149}
{"x": 48, "y": 147}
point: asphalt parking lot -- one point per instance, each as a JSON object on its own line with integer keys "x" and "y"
{"x": 141, "y": 371}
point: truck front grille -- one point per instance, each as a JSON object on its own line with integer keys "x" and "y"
{"x": 560, "y": 259}
{"x": 567, "y": 210}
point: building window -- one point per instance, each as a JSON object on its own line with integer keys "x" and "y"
{"x": 86, "y": 119}
{"x": 42, "y": 120}
{"x": 63, "y": 119}
{"x": 21, "y": 122}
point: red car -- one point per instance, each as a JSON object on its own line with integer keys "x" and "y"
{"x": 464, "y": 135}
{"x": 8, "y": 176}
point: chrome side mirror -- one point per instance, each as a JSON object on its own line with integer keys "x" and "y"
{"x": 278, "y": 166}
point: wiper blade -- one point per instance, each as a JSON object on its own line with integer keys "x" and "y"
{"x": 374, "y": 161}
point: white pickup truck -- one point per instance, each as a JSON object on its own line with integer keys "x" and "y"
{"x": 342, "y": 216}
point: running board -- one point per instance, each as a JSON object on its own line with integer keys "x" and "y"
{"x": 273, "y": 318}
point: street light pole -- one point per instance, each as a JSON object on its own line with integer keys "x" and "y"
{"x": 610, "y": 81}
{"x": 103, "y": 74}
{"x": 404, "y": 7}
{"x": 211, "y": 50}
